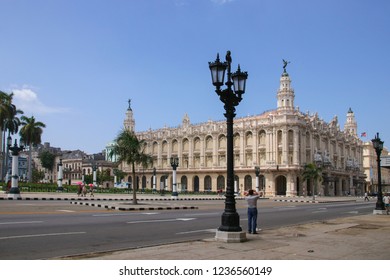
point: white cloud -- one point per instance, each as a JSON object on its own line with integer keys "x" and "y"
{"x": 222, "y": 2}
{"x": 27, "y": 100}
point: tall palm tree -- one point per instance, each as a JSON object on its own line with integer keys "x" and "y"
{"x": 312, "y": 173}
{"x": 9, "y": 122}
{"x": 129, "y": 149}
{"x": 31, "y": 133}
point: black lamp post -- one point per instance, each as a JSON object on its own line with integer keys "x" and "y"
{"x": 174, "y": 164}
{"x": 378, "y": 146}
{"x": 14, "y": 192}
{"x": 231, "y": 98}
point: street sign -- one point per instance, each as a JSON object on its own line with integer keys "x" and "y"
{"x": 385, "y": 161}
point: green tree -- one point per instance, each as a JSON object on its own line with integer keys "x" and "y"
{"x": 128, "y": 148}
{"x": 119, "y": 174}
{"x": 9, "y": 122}
{"x": 312, "y": 173}
{"x": 31, "y": 134}
{"x": 47, "y": 159}
{"x": 37, "y": 175}
{"x": 8, "y": 113}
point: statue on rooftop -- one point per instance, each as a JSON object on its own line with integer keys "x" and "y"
{"x": 285, "y": 62}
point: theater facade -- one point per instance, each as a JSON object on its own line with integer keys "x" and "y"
{"x": 280, "y": 142}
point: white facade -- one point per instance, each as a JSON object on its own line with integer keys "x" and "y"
{"x": 279, "y": 141}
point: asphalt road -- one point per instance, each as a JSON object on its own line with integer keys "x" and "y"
{"x": 49, "y": 229}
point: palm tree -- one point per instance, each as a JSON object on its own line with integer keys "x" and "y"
{"x": 31, "y": 133}
{"x": 129, "y": 149}
{"x": 312, "y": 173}
{"x": 8, "y": 121}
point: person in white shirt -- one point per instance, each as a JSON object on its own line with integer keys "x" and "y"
{"x": 251, "y": 198}
{"x": 386, "y": 201}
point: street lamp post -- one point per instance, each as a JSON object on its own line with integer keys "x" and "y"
{"x": 257, "y": 172}
{"x": 14, "y": 192}
{"x": 94, "y": 168}
{"x": 174, "y": 164}
{"x": 378, "y": 146}
{"x": 60, "y": 177}
{"x": 83, "y": 177}
{"x": 154, "y": 179}
{"x": 230, "y": 230}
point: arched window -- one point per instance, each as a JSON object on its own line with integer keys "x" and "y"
{"x": 209, "y": 143}
{"x": 197, "y": 144}
{"x": 175, "y": 147}
{"x": 248, "y": 182}
{"x": 236, "y": 141}
{"x": 186, "y": 145}
{"x": 281, "y": 185}
{"x": 165, "y": 147}
{"x": 207, "y": 184}
{"x": 221, "y": 182}
{"x": 222, "y": 142}
{"x": 249, "y": 139}
{"x": 184, "y": 185}
{"x": 262, "y": 138}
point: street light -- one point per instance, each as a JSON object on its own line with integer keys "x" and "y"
{"x": 154, "y": 179}
{"x": 378, "y": 146}
{"x": 60, "y": 177}
{"x": 94, "y": 180}
{"x": 174, "y": 164}
{"x": 14, "y": 192}
{"x": 230, "y": 229}
{"x": 257, "y": 172}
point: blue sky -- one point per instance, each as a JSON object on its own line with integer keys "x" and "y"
{"x": 73, "y": 64}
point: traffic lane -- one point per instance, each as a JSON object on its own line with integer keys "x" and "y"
{"x": 293, "y": 214}
{"x": 17, "y": 207}
{"x": 52, "y": 241}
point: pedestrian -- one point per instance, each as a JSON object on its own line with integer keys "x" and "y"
{"x": 251, "y": 198}
{"x": 366, "y": 197}
{"x": 386, "y": 200}
{"x": 79, "y": 190}
{"x": 84, "y": 191}
{"x": 91, "y": 189}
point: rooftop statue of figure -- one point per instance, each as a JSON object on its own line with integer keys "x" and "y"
{"x": 285, "y": 62}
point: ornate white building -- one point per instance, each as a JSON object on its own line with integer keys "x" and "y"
{"x": 280, "y": 141}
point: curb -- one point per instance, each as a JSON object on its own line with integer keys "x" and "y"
{"x": 107, "y": 199}
{"x": 121, "y": 208}
{"x": 311, "y": 201}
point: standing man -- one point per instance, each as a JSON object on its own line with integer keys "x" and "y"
{"x": 366, "y": 197}
{"x": 386, "y": 200}
{"x": 251, "y": 198}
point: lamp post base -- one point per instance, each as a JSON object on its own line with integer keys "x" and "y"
{"x": 380, "y": 212}
{"x": 175, "y": 195}
{"x": 14, "y": 193}
{"x": 230, "y": 236}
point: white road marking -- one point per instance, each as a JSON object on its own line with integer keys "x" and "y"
{"x": 41, "y": 235}
{"x": 160, "y": 221}
{"x": 203, "y": 214}
{"x": 16, "y": 223}
{"x": 67, "y": 211}
{"x": 124, "y": 214}
{"x": 352, "y": 212}
{"x": 212, "y": 230}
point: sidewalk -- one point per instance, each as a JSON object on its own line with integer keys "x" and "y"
{"x": 354, "y": 238}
